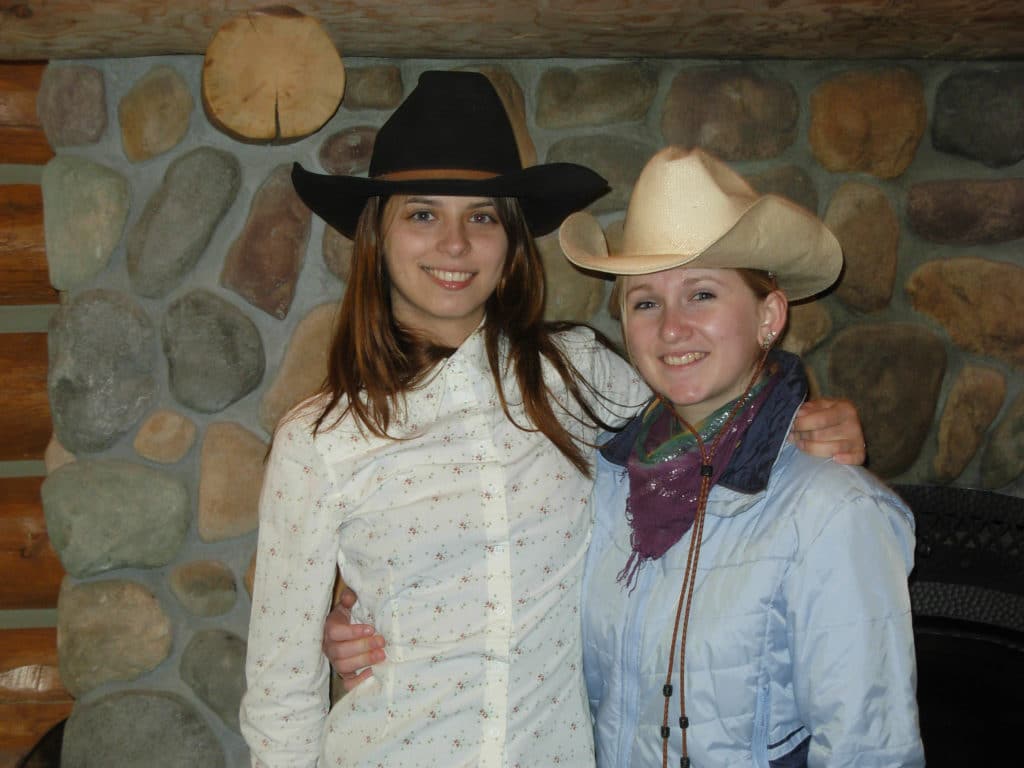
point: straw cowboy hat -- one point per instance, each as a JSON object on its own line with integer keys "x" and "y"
{"x": 689, "y": 208}
{"x": 451, "y": 136}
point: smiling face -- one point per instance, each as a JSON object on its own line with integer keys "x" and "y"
{"x": 444, "y": 256}
{"x": 694, "y": 334}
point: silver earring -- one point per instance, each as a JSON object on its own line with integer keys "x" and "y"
{"x": 769, "y": 337}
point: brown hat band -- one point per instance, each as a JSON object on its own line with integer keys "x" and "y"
{"x": 469, "y": 174}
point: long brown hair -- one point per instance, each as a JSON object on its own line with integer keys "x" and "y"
{"x": 374, "y": 360}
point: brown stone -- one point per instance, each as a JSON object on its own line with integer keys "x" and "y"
{"x": 864, "y": 221}
{"x": 348, "y": 152}
{"x": 972, "y": 404}
{"x": 337, "y": 250}
{"x": 511, "y": 96}
{"x": 597, "y": 95}
{"x": 1002, "y": 461}
{"x": 732, "y": 111}
{"x": 789, "y": 181}
{"x": 165, "y": 437}
{"x": 154, "y": 114}
{"x": 263, "y": 264}
{"x": 304, "y": 367}
{"x": 869, "y": 121}
{"x": 56, "y": 455}
{"x": 571, "y": 293}
{"x": 377, "y": 87}
{"x": 230, "y": 480}
{"x": 977, "y": 301}
{"x": 617, "y": 159}
{"x": 250, "y": 574}
{"x": 809, "y": 325}
{"x": 893, "y": 374}
{"x": 205, "y": 587}
{"x": 109, "y": 631}
{"x": 967, "y": 212}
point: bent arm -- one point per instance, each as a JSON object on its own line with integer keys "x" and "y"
{"x": 851, "y": 637}
{"x": 286, "y": 702}
{"x": 830, "y": 429}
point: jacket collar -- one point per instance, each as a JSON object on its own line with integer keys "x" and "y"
{"x": 751, "y": 464}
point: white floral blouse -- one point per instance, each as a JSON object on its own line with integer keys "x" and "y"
{"x": 465, "y": 544}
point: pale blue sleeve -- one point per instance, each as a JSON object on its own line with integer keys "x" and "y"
{"x": 850, "y": 631}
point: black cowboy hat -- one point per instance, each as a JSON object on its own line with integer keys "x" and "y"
{"x": 451, "y": 136}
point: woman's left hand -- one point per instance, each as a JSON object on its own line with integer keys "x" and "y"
{"x": 830, "y": 429}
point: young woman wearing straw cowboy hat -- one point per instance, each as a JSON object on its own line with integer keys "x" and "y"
{"x": 744, "y": 603}
{"x": 444, "y": 466}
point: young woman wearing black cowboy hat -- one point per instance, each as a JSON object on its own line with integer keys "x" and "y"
{"x": 444, "y": 466}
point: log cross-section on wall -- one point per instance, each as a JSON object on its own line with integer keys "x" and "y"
{"x": 22, "y": 140}
{"x": 25, "y": 416}
{"x": 23, "y": 266}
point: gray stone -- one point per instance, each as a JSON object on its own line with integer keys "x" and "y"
{"x": 617, "y": 159}
{"x": 85, "y": 206}
{"x": 732, "y": 111}
{"x": 971, "y": 406}
{"x": 230, "y": 480}
{"x": 377, "y": 87}
{"x": 865, "y": 223}
{"x": 348, "y": 152}
{"x": 155, "y": 113}
{"x": 214, "y": 351}
{"x": 977, "y": 301}
{"x": 213, "y": 666}
{"x": 139, "y": 729}
{"x": 1002, "y": 461}
{"x": 789, "y": 181}
{"x": 597, "y": 95}
{"x": 967, "y": 211}
{"x": 205, "y": 587}
{"x": 180, "y": 218}
{"x": 979, "y": 114}
{"x": 893, "y": 374}
{"x": 263, "y": 264}
{"x": 870, "y": 121}
{"x": 571, "y": 294}
{"x": 102, "y": 353}
{"x": 103, "y": 514}
{"x": 109, "y": 631}
{"x": 304, "y": 366}
{"x": 72, "y": 105}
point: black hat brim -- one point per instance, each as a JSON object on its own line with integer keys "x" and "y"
{"x": 546, "y": 193}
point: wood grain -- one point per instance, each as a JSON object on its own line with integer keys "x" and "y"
{"x": 21, "y": 137}
{"x": 25, "y": 415}
{"x": 31, "y": 570}
{"x": 26, "y": 278}
{"x": 32, "y": 697}
{"x": 851, "y": 29}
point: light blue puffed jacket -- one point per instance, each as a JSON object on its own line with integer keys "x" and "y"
{"x": 800, "y": 647}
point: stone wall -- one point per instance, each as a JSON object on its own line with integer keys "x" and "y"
{"x": 198, "y": 295}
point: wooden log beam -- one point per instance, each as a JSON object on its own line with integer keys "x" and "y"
{"x": 32, "y": 697}
{"x": 25, "y": 416}
{"x": 855, "y": 29}
{"x": 26, "y": 277}
{"x": 21, "y": 138}
{"x": 32, "y": 571}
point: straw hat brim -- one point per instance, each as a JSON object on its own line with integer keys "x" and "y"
{"x": 773, "y": 235}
